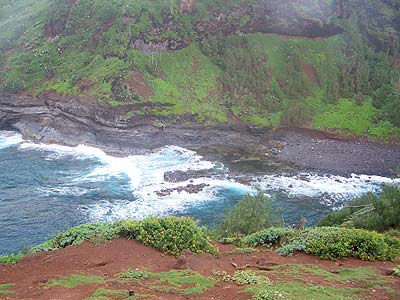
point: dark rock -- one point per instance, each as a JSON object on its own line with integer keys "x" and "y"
{"x": 190, "y": 189}
{"x": 181, "y": 176}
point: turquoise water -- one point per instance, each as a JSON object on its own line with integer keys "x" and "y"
{"x": 45, "y": 189}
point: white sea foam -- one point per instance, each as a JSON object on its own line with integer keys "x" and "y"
{"x": 150, "y": 204}
{"x": 331, "y": 189}
{"x": 9, "y": 138}
{"x": 146, "y": 177}
{"x": 63, "y": 191}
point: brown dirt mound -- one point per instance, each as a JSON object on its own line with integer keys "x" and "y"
{"x": 311, "y": 74}
{"x": 139, "y": 84}
{"x": 119, "y": 255}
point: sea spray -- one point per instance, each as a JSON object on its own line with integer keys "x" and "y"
{"x": 48, "y": 188}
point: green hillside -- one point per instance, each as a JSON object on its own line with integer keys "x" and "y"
{"x": 330, "y": 65}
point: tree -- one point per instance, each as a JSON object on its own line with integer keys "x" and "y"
{"x": 251, "y": 214}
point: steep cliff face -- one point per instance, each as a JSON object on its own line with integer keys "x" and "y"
{"x": 262, "y": 62}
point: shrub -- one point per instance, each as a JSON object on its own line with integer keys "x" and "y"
{"x": 127, "y": 228}
{"x": 269, "y": 293}
{"x": 299, "y": 240}
{"x": 388, "y": 208}
{"x": 268, "y": 237}
{"x": 396, "y": 271}
{"x": 329, "y": 242}
{"x": 359, "y": 243}
{"x": 370, "y": 212}
{"x": 172, "y": 235}
{"x": 11, "y": 258}
{"x": 345, "y": 214}
{"x": 95, "y": 232}
{"x": 251, "y": 214}
{"x": 242, "y": 277}
{"x": 248, "y": 277}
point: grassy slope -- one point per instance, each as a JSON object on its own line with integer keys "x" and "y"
{"x": 258, "y": 78}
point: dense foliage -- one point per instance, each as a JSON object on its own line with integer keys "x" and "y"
{"x": 251, "y": 214}
{"x": 371, "y": 212}
{"x": 170, "y": 235}
{"x": 347, "y": 82}
{"x": 329, "y": 242}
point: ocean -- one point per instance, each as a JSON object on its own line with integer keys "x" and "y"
{"x": 45, "y": 189}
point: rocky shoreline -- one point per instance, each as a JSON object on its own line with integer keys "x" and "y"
{"x": 81, "y": 120}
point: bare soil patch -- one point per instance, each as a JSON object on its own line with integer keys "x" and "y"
{"x": 140, "y": 85}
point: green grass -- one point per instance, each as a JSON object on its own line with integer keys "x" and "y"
{"x": 189, "y": 80}
{"x": 361, "y": 274}
{"x": 290, "y": 283}
{"x": 106, "y": 294}
{"x": 345, "y": 116}
{"x": 73, "y": 281}
{"x": 4, "y": 288}
{"x": 184, "y": 282}
{"x": 298, "y": 291}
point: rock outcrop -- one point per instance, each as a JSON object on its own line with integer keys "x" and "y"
{"x": 82, "y": 120}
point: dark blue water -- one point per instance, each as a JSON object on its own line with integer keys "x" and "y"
{"x": 47, "y": 189}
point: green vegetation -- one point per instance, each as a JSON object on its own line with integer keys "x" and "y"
{"x": 299, "y": 288}
{"x": 363, "y": 279}
{"x": 11, "y": 258}
{"x": 170, "y": 235}
{"x": 366, "y": 274}
{"x": 106, "y": 294}
{"x": 94, "y": 232}
{"x": 251, "y": 214}
{"x": 184, "y": 282}
{"x": 5, "y": 288}
{"x": 396, "y": 271}
{"x": 260, "y": 286}
{"x": 298, "y": 291}
{"x": 242, "y": 277}
{"x": 348, "y": 82}
{"x": 329, "y": 242}
{"x": 369, "y": 212}
{"x": 73, "y": 281}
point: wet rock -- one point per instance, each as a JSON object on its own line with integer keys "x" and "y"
{"x": 190, "y": 189}
{"x": 182, "y": 176}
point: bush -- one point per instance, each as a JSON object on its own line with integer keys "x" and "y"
{"x": 299, "y": 240}
{"x": 94, "y": 232}
{"x": 11, "y": 258}
{"x": 248, "y": 277}
{"x": 370, "y": 212}
{"x": 251, "y": 214}
{"x": 172, "y": 235}
{"x": 346, "y": 213}
{"x": 269, "y": 293}
{"x": 359, "y": 243}
{"x": 268, "y": 237}
{"x": 329, "y": 242}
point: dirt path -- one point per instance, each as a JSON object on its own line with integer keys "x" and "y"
{"x": 31, "y": 275}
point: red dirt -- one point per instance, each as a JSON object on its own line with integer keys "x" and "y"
{"x": 186, "y": 6}
{"x": 196, "y": 64}
{"x": 119, "y": 255}
{"x": 139, "y": 84}
{"x": 311, "y": 73}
